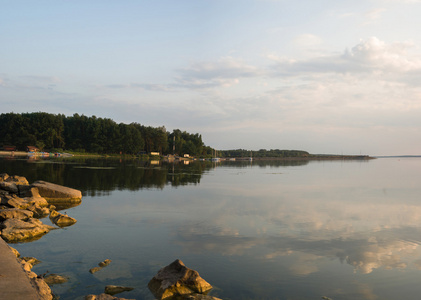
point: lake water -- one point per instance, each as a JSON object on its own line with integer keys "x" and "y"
{"x": 261, "y": 230}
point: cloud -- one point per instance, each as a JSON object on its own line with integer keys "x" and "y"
{"x": 368, "y": 56}
{"x": 143, "y": 86}
{"x": 40, "y": 79}
{"x": 224, "y": 72}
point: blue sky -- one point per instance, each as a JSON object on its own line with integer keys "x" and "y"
{"x": 322, "y": 76}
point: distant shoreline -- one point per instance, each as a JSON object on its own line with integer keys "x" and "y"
{"x": 311, "y": 157}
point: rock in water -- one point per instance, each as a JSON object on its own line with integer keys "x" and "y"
{"x": 104, "y": 263}
{"x": 57, "y": 193}
{"x": 101, "y": 265}
{"x": 104, "y": 297}
{"x": 15, "y": 230}
{"x": 94, "y": 270}
{"x": 61, "y": 220}
{"x": 199, "y": 297}
{"x": 176, "y": 279}
{"x": 114, "y": 289}
{"x": 52, "y": 279}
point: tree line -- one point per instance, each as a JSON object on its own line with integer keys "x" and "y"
{"x": 80, "y": 133}
{"x": 263, "y": 153}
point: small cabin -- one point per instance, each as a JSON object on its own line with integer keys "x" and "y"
{"x": 155, "y": 153}
{"x": 186, "y": 155}
{"x": 32, "y": 149}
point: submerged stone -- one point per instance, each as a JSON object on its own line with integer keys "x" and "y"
{"x": 115, "y": 289}
{"x": 104, "y": 297}
{"x": 52, "y": 279}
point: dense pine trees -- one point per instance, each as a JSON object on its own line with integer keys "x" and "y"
{"x": 91, "y": 134}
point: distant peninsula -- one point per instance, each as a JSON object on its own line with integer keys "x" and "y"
{"x": 40, "y": 131}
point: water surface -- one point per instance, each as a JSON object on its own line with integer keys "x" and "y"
{"x": 266, "y": 230}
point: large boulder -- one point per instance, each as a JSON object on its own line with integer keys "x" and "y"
{"x": 55, "y": 193}
{"x": 18, "y": 180}
{"x": 12, "y": 183}
{"x": 37, "y": 205}
{"x": 13, "y": 201}
{"x": 39, "y": 212}
{"x": 15, "y": 213}
{"x": 176, "y": 279}
{"x": 9, "y": 186}
{"x": 38, "y": 200}
{"x": 15, "y": 230}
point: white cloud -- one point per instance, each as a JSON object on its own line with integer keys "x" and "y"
{"x": 224, "y": 72}
{"x": 369, "y": 56}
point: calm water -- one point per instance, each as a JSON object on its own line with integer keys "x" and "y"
{"x": 303, "y": 230}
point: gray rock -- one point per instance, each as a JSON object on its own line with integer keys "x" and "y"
{"x": 18, "y": 180}
{"x": 61, "y": 219}
{"x": 39, "y": 212}
{"x": 104, "y": 297}
{"x": 3, "y": 177}
{"x": 28, "y": 263}
{"x": 9, "y": 186}
{"x": 101, "y": 265}
{"x": 52, "y": 279}
{"x": 94, "y": 270}
{"x": 104, "y": 263}
{"x": 28, "y": 191}
{"x": 199, "y": 297}
{"x": 57, "y": 193}
{"x": 36, "y": 200}
{"x": 15, "y": 230}
{"x": 31, "y": 260}
{"x": 15, "y": 213}
{"x": 42, "y": 288}
{"x": 115, "y": 289}
{"x": 176, "y": 279}
{"x": 13, "y": 201}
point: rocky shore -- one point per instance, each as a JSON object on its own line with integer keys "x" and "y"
{"x": 22, "y": 205}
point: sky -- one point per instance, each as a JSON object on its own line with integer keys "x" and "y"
{"x": 324, "y": 76}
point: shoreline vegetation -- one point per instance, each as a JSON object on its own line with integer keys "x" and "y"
{"x": 43, "y": 134}
{"x": 154, "y": 157}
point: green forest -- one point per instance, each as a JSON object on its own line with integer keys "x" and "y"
{"x": 82, "y": 134}
{"x": 79, "y": 133}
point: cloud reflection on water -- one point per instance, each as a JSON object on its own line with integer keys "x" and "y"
{"x": 310, "y": 224}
